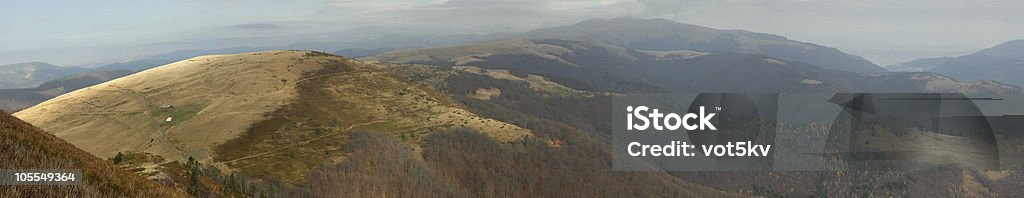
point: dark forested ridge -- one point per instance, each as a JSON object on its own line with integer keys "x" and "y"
{"x": 579, "y": 125}
{"x": 466, "y": 163}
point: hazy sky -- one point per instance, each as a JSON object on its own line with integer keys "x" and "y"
{"x": 885, "y": 31}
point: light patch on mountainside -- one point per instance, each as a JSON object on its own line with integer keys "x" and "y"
{"x": 485, "y": 94}
{"x": 56, "y": 91}
{"x": 538, "y": 83}
{"x": 469, "y": 54}
{"x": 466, "y": 60}
{"x": 930, "y": 147}
{"x": 674, "y": 54}
{"x": 973, "y": 187}
{"x": 810, "y": 82}
{"x": 943, "y": 84}
{"x": 774, "y": 61}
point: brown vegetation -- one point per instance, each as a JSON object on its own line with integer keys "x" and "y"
{"x": 26, "y": 147}
{"x": 467, "y": 163}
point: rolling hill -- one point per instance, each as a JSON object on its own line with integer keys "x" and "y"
{"x": 28, "y": 147}
{"x": 666, "y": 35}
{"x": 170, "y": 57}
{"x": 248, "y": 111}
{"x": 1002, "y": 63}
{"x": 14, "y": 99}
{"x": 26, "y": 75}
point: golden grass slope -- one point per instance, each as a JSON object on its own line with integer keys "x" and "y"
{"x": 276, "y": 113}
{"x": 214, "y": 98}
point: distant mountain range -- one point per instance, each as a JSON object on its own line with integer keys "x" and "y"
{"x": 1003, "y": 62}
{"x": 599, "y": 66}
{"x": 663, "y": 34}
{"x": 13, "y": 99}
{"x": 361, "y": 52}
{"x": 24, "y": 75}
{"x": 167, "y": 58}
{"x": 634, "y": 33}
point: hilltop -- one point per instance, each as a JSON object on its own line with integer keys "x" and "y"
{"x": 276, "y": 113}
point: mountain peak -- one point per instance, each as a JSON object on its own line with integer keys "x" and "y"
{"x": 1002, "y": 63}
{"x": 1009, "y": 49}
{"x": 666, "y": 35}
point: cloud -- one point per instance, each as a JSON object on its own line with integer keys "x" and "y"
{"x": 663, "y": 7}
{"x": 255, "y": 26}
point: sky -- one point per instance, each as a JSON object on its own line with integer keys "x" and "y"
{"x": 884, "y": 31}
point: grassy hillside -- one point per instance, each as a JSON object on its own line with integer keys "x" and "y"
{"x": 27, "y": 147}
{"x": 274, "y": 114}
